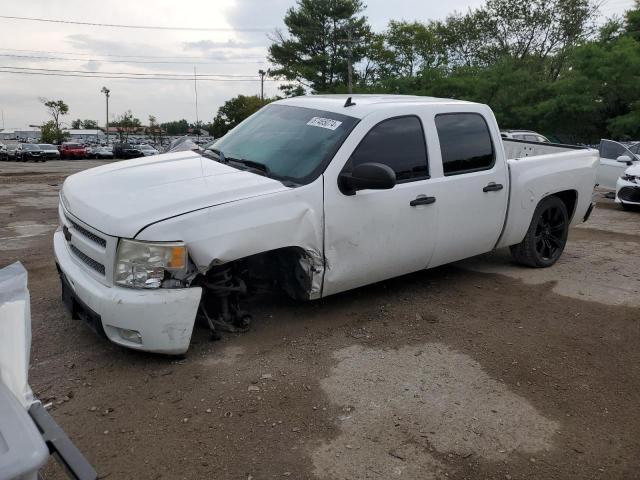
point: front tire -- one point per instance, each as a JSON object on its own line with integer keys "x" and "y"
{"x": 546, "y": 237}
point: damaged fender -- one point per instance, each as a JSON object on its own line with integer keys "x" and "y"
{"x": 240, "y": 229}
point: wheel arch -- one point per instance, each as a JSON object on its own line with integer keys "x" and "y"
{"x": 569, "y": 198}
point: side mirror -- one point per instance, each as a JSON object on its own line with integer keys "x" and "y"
{"x": 625, "y": 159}
{"x": 373, "y": 176}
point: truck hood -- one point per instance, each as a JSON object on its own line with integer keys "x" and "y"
{"x": 121, "y": 198}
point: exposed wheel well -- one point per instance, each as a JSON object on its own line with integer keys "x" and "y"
{"x": 290, "y": 268}
{"x": 570, "y": 199}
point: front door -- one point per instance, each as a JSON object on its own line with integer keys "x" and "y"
{"x": 378, "y": 234}
{"x": 610, "y": 169}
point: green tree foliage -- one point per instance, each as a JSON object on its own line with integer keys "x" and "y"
{"x": 126, "y": 124}
{"x": 178, "y": 127}
{"x": 56, "y": 109}
{"x": 236, "y": 110}
{"x": 321, "y": 33}
{"x": 88, "y": 124}
{"x": 50, "y": 133}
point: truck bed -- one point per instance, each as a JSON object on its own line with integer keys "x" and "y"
{"x": 539, "y": 169}
{"x": 514, "y": 149}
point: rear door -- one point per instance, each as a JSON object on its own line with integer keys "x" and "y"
{"x": 473, "y": 186}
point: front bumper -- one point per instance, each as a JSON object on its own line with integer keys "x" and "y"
{"x": 164, "y": 318}
{"x": 627, "y": 192}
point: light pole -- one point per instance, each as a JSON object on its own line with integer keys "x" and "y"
{"x": 106, "y": 92}
{"x": 262, "y": 73}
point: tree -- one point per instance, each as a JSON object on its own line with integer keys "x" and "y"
{"x": 154, "y": 130}
{"x": 88, "y": 124}
{"x": 180, "y": 127}
{"x": 50, "y": 133}
{"x": 322, "y": 36}
{"x": 126, "y": 124}
{"x": 234, "y": 111}
{"x": 57, "y": 109}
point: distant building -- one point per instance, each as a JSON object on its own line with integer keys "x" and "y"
{"x": 86, "y": 135}
{"x": 23, "y": 134}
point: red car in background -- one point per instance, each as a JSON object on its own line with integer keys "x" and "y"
{"x": 72, "y": 150}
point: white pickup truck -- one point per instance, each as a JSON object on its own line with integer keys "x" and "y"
{"x": 315, "y": 195}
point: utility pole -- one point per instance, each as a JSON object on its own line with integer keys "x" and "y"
{"x": 106, "y": 92}
{"x": 195, "y": 89}
{"x": 349, "y": 61}
{"x": 262, "y": 73}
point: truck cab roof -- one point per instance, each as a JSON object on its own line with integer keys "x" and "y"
{"x": 362, "y": 104}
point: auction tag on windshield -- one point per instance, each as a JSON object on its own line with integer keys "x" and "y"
{"x": 324, "y": 123}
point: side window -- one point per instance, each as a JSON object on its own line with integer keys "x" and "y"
{"x": 531, "y": 138}
{"x": 398, "y": 143}
{"x": 465, "y": 143}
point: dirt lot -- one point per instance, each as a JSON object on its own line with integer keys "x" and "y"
{"x": 480, "y": 369}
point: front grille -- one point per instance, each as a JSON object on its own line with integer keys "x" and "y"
{"x": 97, "y": 266}
{"x": 629, "y": 194}
{"x": 91, "y": 236}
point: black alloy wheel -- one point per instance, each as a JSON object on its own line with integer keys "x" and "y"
{"x": 546, "y": 238}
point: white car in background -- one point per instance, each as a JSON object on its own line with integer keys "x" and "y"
{"x": 524, "y": 135}
{"x": 615, "y": 158}
{"x": 148, "y": 150}
{"x": 628, "y": 188}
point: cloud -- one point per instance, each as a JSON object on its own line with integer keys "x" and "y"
{"x": 209, "y": 45}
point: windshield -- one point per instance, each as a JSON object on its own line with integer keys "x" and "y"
{"x": 72, "y": 145}
{"x": 48, "y": 147}
{"x": 146, "y": 147}
{"x": 30, "y": 146}
{"x": 294, "y": 143}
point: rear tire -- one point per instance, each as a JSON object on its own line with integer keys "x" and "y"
{"x": 546, "y": 237}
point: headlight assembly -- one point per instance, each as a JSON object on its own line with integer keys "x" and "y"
{"x": 630, "y": 178}
{"x": 144, "y": 264}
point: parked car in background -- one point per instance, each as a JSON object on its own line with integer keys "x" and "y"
{"x": 628, "y": 188}
{"x": 105, "y": 151}
{"x": 148, "y": 150}
{"x": 89, "y": 150}
{"x": 3, "y": 151}
{"x": 71, "y": 150}
{"x": 11, "y": 152}
{"x": 126, "y": 150}
{"x": 30, "y": 151}
{"x": 50, "y": 151}
{"x": 615, "y": 158}
{"x": 524, "y": 135}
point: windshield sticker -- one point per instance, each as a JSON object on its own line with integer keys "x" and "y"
{"x": 324, "y": 123}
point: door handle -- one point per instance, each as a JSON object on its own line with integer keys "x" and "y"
{"x": 422, "y": 201}
{"x": 493, "y": 187}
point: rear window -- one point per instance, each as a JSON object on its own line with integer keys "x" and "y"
{"x": 465, "y": 143}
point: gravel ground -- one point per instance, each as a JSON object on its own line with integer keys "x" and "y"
{"x": 481, "y": 369}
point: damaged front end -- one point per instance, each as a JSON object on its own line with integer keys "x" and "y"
{"x": 295, "y": 271}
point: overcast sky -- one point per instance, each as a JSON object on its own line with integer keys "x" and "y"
{"x": 230, "y": 50}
